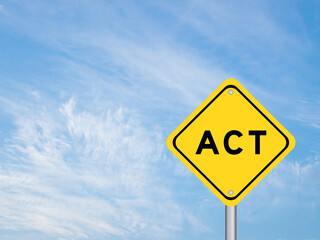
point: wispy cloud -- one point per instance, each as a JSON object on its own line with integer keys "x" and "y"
{"x": 71, "y": 173}
{"x": 123, "y": 41}
{"x": 291, "y": 185}
{"x": 308, "y": 111}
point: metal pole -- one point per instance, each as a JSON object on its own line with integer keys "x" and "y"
{"x": 231, "y": 223}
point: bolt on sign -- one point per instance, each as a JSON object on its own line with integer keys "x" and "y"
{"x": 230, "y": 142}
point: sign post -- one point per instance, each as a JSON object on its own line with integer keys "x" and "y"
{"x": 231, "y": 223}
{"x": 230, "y": 142}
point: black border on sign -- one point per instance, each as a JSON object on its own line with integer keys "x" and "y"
{"x": 212, "y": 184}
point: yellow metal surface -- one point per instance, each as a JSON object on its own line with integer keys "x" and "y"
{"x": 230, "y": 142}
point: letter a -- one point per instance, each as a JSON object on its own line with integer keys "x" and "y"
{"x": 204, "y": 145}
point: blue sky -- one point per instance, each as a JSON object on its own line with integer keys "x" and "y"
{"x": 89, "y": 91}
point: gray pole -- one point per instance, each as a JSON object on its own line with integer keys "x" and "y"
{"x": 231, "y": 223}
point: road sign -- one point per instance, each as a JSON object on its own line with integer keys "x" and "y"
{"x": 230, "y": 142}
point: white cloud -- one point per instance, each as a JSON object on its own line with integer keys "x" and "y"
{"x": 291, "y": 185}
{"x": 308, "y": 111}
{"x": 134, "y": 49}
{"x": 140, "y": 53}
{"x": 240, "y": 27}
{"x": 70, "y": 173}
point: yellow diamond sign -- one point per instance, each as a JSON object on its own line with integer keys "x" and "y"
{"x": 230, "y": 142}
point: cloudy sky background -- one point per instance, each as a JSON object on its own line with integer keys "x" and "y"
{"x": 89, "y": 91}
